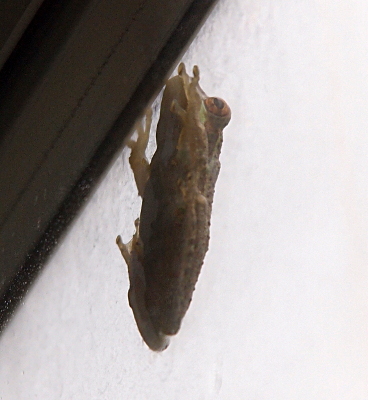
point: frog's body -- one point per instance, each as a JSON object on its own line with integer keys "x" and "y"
{"x": 166, "y": 253}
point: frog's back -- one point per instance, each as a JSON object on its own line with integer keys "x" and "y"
{"x": 174, "y": 256}
{"x": 176, "y": 209}
{"x": 171, "y": 228}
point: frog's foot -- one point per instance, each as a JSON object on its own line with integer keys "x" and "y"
{"x": 124, "y": 249}
{"x": 182, "y": 72}
{"x": 192, "y": 135}
{"x": 132, "y": 250}
{"x": 190, "y": 85}
{"x": 138, "y": 159}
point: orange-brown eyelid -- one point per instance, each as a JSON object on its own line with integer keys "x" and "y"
{"x": 217, "y": 106}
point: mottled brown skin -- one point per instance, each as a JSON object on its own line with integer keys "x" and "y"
{"x": 166, "y": 254}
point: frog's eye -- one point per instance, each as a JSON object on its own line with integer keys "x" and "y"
{"x": 218, "y": 112}
{"x": 217, "y": 106}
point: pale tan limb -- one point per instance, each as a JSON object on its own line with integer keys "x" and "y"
{"x": 138, "y": 159}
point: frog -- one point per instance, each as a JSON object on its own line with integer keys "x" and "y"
{"x": 166, "y": 253}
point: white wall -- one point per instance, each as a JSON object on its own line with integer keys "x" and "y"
{"x": 281, "y": 307}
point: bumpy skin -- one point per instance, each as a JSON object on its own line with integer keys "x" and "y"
{"x": 166, "y": 253}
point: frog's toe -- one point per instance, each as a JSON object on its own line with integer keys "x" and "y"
{"x": 181, "y": 69}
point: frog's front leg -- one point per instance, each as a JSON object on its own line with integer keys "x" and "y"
{"x": 138, "y": 159}
{"x": 132, "y": 253}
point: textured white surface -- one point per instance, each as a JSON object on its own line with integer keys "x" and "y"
{"x": 281, "y": 307}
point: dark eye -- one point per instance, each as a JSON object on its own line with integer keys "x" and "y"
{"x": 217, "y": 107}
{"x": 218, "y": 103}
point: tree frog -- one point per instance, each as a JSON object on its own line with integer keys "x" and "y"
{"x": 166, "y": 253}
